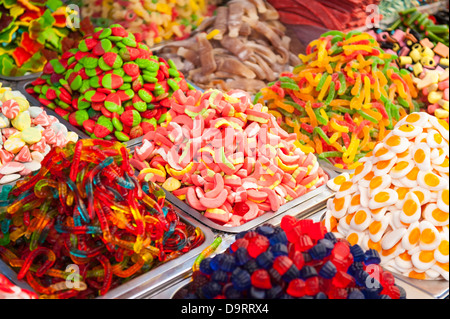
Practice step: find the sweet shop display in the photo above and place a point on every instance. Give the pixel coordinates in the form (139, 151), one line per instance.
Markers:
(343, 98)
(33, 33)
(124, 230)
(243, 46)
(299, 259)
(28, 134)
(224, 149)
(226, 157)
(111, 85)
(158, 21)
(397, 201)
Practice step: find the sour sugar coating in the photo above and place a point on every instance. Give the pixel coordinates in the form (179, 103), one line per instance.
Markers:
(343, 98)
(397, 201)
(27, 134)
(298, 259)
(111, 86)
(226, 157)
(85, 208)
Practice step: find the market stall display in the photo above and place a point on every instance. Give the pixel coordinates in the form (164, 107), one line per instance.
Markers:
(53, 220)
(300, 259)
(208, 149)
(343, 98)
(28, 133)
(226, 157)
(397, 201)
(243, 47)
(157, 21)
(33, 33)
(111, 85)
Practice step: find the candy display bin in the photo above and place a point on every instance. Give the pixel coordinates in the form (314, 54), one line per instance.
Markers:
(27, 77)
(152, 282)
(322, 192)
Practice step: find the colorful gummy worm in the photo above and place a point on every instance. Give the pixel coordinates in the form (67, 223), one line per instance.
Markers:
(111, 85)
(343, 98)
(52, 220)
(299, 259)
(29, 32)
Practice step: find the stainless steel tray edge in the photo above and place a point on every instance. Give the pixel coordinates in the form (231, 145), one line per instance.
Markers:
(257, 221)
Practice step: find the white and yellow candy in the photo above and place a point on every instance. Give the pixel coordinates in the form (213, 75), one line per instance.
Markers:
(397, 200)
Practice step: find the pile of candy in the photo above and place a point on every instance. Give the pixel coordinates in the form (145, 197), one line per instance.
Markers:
(343, 98)
(397, 201)
(242, 47)
(297, 260)
(27, 135)
(55, 231)
(10, 291)
(428, 62)
(226, 157)
(158, 21)
(423, 24)
(30, 33)
(340, 15)
(111, 85)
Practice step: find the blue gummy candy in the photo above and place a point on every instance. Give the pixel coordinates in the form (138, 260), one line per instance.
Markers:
(241, 255)
(279, 249)
(216, 261)
(265, 230)
(211, 289)
(279, 237)
(220, 276)
(251, 266)
(383, 296)
(329, 245)
(328, 270)
(372, 257)
(240, 235)
(241, 279)
(331, 237)
(291, 274)
(275, 276)
(228, 263)
(265, 259)
(307, 272)
(402, 292)
(356, 294)
(275, 292)
(318, 252)
(205, 266)
(358, 253)
(256, 293)
(321, 295)
(360, 277)
(232, 293)
(370, 293)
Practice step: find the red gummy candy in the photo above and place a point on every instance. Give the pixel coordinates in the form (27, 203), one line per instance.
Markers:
(317, 231)
(337, 293)
(391, 291)
(312, 286)
(257, 245)
(341, 256)
(288, 222)
(296, 288)
(241, 242)
(282, 264)
(261, 279)
(387, 279)
(298, 259)
(342, 280)
(304, 243)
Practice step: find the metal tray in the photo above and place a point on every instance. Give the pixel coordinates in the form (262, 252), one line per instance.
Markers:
(152, 282)
(257, 221)
(30, 76)
(435, 289)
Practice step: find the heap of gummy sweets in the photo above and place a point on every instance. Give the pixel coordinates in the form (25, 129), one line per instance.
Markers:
(299, 259)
